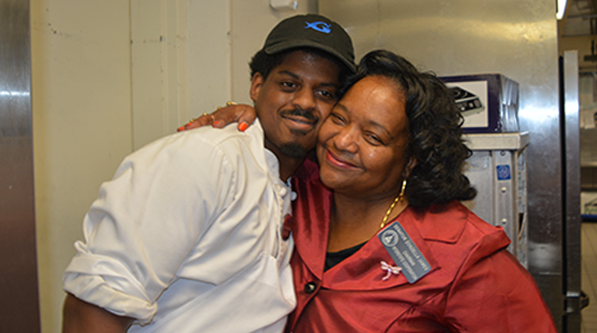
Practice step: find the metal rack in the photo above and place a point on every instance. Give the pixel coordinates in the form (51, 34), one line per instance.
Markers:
(497, 169)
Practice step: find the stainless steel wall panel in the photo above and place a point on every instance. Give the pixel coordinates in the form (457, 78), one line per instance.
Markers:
(19, 298)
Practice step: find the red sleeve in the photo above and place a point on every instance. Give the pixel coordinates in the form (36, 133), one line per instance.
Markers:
(496, 294)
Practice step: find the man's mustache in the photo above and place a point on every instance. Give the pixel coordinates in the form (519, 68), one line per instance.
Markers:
(301, 113)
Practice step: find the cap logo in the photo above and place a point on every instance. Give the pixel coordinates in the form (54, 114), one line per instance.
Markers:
(319, 26)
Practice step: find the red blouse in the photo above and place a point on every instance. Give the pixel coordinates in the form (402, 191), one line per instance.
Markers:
(475, 284)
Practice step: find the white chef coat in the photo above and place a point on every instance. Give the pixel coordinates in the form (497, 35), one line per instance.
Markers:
(187, 237)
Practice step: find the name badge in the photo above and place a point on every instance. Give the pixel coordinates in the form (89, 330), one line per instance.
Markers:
(404, 252)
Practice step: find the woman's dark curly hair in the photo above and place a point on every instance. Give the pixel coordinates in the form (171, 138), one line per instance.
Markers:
(435, 131)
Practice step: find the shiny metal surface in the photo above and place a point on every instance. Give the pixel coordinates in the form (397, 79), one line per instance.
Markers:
(19, 299)
(571, 130)
(516, 38)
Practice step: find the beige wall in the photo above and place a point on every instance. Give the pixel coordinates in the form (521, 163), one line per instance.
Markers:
(81, 88)
(180, 55)
(104, 83)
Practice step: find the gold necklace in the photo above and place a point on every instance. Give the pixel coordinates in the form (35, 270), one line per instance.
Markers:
(398, 198)
(385, 218)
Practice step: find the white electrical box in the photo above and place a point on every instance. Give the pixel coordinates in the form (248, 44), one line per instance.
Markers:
(283, 4)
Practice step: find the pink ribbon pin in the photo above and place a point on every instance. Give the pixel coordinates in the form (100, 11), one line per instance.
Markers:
(390, 269)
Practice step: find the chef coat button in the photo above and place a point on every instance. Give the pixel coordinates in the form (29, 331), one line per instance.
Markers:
(310, 287)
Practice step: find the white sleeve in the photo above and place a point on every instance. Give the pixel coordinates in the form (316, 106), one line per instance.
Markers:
(145, 222)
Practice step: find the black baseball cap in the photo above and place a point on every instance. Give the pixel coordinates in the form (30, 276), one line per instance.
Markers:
(311, 30)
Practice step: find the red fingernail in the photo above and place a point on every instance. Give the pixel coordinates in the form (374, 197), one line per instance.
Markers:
(215, 123)
(242, 127)
(180, 129)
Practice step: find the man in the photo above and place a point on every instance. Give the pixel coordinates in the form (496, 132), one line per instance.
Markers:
(180, 242)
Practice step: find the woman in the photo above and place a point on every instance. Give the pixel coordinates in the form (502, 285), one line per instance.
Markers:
(392, 154)
(382, 243)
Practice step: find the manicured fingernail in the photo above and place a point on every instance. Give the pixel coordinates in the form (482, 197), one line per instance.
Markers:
(180, 129)
(215, 123)
(242, 126)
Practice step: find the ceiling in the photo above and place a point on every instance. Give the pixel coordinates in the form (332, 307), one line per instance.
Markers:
(580, 19)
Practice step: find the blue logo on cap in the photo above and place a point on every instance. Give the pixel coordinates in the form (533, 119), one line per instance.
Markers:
(319, 26)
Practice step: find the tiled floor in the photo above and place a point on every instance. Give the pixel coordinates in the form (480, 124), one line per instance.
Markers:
(589, 275)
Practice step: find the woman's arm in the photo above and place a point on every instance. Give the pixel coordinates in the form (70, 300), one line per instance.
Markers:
(497, 295)
(243, 114)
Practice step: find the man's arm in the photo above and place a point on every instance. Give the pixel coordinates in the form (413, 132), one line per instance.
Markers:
(79, 316)
(142, 227)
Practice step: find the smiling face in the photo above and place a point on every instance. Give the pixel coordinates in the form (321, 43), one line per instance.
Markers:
(363, 143)
(293, 102)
